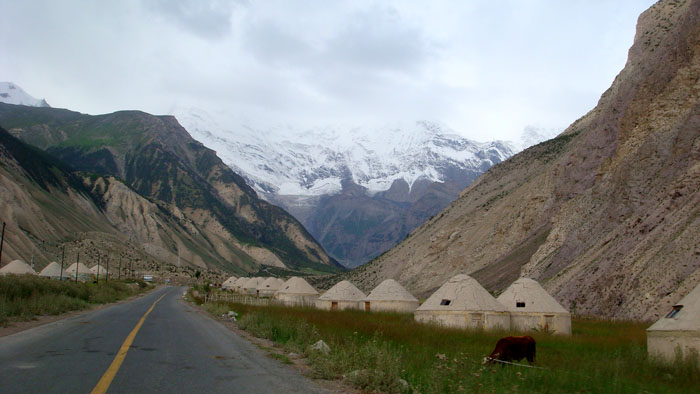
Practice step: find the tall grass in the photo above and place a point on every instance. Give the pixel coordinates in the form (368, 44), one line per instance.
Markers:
(23, 297)
(375, 350)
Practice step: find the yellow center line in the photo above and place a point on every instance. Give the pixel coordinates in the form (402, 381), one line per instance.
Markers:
(107, 378)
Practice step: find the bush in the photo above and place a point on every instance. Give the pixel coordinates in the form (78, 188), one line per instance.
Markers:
(23, 297)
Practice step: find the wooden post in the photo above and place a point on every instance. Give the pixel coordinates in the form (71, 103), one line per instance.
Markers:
(63, 256)
(107, 273)
(77, 264)
(2, 241)
(97, 277)
(120, 267)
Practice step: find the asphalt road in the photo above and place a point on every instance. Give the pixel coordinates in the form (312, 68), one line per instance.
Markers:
(176, 350)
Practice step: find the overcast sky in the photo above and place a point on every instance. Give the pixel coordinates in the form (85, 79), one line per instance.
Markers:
(486, 68)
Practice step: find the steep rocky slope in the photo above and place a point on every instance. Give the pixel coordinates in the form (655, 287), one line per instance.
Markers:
(170, 194)
(607, 215)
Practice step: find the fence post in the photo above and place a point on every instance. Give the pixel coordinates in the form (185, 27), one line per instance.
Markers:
(2, 241)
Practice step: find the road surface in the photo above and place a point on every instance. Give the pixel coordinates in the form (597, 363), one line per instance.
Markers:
(175, 350)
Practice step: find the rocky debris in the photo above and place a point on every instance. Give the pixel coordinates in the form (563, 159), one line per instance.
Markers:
(321, 346)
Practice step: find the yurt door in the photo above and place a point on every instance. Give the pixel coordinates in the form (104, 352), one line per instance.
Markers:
(334, 305)
(548, 322)
(476, 320)
(366, 306)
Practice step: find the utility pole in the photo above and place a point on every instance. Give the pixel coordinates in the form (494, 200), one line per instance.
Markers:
(120, 267)
(77, 266)
(97, 280)
(63, 255)
(2, 240)
(107, 272)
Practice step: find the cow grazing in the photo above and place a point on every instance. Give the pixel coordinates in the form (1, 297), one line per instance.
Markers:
(513, 349)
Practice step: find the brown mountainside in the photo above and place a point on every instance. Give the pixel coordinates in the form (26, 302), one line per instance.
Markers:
(605, 216)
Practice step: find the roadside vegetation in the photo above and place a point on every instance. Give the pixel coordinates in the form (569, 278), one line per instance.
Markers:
(23, 297)
(383, 352)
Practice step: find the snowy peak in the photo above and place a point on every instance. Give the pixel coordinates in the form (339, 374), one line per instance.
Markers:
(13, 94)
(288, 160)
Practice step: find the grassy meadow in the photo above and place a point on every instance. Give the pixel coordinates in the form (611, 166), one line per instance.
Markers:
(22, 297)
(375, 350)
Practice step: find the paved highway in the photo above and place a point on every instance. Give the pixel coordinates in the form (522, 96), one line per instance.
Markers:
(175, 350)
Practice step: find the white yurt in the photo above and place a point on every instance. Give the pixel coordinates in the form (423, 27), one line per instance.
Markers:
(53, 271)
(296, 292)
(238, 284)
(390, 296)
(461, 302)
(17, 267)
(251, 286)
(99, 270)
(84, 273)
(269, 286)
(532, 308)
(229, 283)
(678, 332)
(344, 295)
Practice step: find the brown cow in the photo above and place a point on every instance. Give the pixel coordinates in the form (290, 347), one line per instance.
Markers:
(513, 349)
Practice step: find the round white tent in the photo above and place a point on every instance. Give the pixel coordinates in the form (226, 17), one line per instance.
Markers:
(17, 267)
(84, 273)
(269, 286)
(238, 284)
(532, 308)
(678, 332)
(99, 270)
(461, 302)
(390, 296)
(229, 283)
(53, 271)
(344, 295)
(251, 286)
(296, 291)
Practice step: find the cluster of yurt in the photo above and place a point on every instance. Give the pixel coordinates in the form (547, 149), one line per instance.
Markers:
(53, 271)
(463, 303)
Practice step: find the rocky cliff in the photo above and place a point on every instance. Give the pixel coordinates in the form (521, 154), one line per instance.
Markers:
(607, 215)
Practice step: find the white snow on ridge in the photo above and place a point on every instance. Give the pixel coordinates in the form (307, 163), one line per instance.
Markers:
(13, 94)
(295, 161)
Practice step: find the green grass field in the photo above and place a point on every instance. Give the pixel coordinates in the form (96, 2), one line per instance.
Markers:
(375, 350)
(22, 297)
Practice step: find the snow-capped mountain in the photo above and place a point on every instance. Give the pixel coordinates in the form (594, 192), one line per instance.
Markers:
(313, 162)
(13, 94)
(358, 190)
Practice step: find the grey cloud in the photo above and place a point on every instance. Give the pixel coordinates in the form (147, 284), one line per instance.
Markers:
(209, 19)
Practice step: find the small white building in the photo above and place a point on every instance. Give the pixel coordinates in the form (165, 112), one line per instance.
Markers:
(53, 271)
(99, 271)
(269, 286)
(229, 283)
(532, 308)
(84, 273)
(17, 267)
(296, 292)
(678, 332)
(344, 295)
(390, 296)
(462, 303)
(251, 286)
(239, 283)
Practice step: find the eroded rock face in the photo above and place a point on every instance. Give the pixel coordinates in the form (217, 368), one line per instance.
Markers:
(606, 215)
